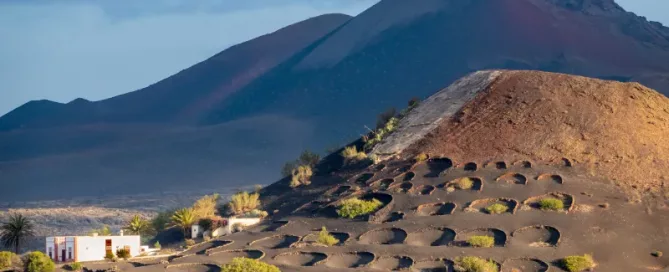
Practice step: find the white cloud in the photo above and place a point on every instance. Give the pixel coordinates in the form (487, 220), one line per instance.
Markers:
(64, 50)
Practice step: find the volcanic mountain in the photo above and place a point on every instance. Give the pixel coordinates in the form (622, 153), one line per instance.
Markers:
(325, 88)
(533, 182)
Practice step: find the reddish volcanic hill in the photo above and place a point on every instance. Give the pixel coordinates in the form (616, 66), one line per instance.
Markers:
(615, 130)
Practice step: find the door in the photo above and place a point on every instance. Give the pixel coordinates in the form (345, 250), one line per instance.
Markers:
(62, 256)
(108, 246)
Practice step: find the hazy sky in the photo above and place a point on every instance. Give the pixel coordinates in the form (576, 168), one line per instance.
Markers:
(64, 49)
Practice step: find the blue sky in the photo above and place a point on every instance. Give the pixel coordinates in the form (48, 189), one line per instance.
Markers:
(64, 49)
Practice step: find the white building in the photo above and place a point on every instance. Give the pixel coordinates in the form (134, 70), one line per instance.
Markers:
(226, 226)
(89, 248)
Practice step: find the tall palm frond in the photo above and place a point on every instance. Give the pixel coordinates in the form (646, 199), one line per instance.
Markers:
(15, 231)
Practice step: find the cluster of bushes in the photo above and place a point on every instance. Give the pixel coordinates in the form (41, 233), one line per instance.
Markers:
(301, 176)
(9, 259)
(578, 263)
(75, 266)
(475, 264)
(386, 123)
(497, 208)
(352, 156)
(243, 202)
(463, 183)
(32, 262)
(354, 207)
(123, 253)
(326, 239)
(481, 241)
(301, 169)
(551, 204)
(248, 265)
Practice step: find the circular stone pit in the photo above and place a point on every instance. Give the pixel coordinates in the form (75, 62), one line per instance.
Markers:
(512, 178)
(439, 265)
(471, 167)
(403, 187)
(477, 184)
(394, 217)
(436, 209)
(498, 235)
(362, 178)
(382, 184)
(392, 263)
(384, 236)
(227, 255)
(524, 265)
(301, 258)
(193, 267)
(350, 260)
(431, 237)
(276, 242)
(536, 236)
(424, 190)
(480, 205)
(311, 238)
(552, 177)
(436, 166)
(567, 199)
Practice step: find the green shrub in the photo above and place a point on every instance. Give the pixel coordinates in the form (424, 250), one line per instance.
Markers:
(354, 207)
(160, 221)
(190, 242)
(497, 208)
(420, 157)
(307, 158)
(123, 253)
(243, 202)
(325, 238)
(75, 266)
(551, 204)
(481, 241)
(38, 262)
(157, 245)
(109, 256)
(463, 183)
(352, 155)
(301, 176)
(248, 265)
(578, 263)
(8, 259)
(475, 264)
(205, 207)
(657, 253)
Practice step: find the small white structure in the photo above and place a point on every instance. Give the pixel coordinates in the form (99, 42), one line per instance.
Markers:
(195, 231)
(89, 248)
(226, 227)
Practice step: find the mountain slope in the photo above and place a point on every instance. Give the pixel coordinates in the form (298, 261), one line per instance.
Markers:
(187, 94)
(422, 53)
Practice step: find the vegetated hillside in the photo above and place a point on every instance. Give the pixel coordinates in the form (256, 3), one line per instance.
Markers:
(339, 80)
(615, 130)
(451, 209)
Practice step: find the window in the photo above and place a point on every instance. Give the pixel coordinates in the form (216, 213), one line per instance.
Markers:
(51, 252)
(69, 253)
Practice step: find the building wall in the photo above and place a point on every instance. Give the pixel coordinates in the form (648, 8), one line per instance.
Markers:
(61, 249)
(91, 248)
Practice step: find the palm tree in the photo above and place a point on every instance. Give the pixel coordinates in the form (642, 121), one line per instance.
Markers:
(137, 226)
(14, 232)
(184, 218)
